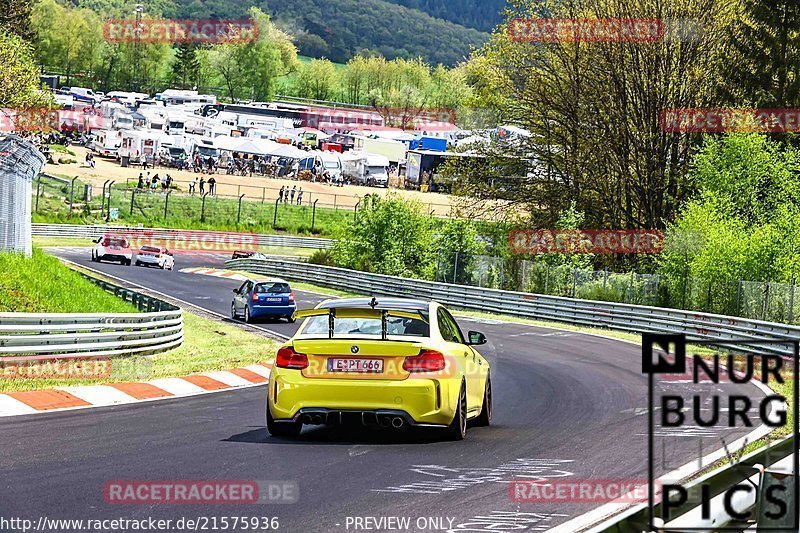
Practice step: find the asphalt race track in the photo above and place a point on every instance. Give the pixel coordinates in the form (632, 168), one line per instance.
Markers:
(566, 404)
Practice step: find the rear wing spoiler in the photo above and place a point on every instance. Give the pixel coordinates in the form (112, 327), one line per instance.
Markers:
(356, 312)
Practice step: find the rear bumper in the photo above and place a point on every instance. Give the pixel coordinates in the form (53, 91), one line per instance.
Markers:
(272, 310)
(385, 418)
(148, 260)
(420, 401)
(115, 257)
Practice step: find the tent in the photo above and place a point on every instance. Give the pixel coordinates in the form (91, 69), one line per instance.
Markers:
(289, 151)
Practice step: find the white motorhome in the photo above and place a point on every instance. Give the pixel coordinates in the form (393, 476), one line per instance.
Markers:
(179, 97)
(127, 98)
(366, 169)
(106, 142)
(137, 145)
(332, 163)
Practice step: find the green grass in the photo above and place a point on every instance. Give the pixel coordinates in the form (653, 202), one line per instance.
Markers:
(42, 284)
(43, 242)
(208, 345)
(186, 212)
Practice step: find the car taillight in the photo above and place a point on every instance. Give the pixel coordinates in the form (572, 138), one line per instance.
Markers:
(425, 361)
(291, 296)
(254, 297)
(288, 358)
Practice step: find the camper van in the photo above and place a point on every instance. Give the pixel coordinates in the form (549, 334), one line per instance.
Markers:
(137, 145)
(106, 142)
(366, 169)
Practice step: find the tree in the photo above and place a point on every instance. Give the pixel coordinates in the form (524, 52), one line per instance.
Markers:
(392, 236)
(764, 64)
(186, 67)
(317, 79)
(15, 17)
(600, 143)
(19, 77)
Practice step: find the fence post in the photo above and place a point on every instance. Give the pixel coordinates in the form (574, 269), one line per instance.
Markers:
(239, 213)
(133, 196)
(605, 278)
(263, 194)
(38, 189)
(203, 207)
(166, 203)
(314, 214)
(739, 297)
(103, 199)
(71, 194)
(334, 201)
(355, 212)
(791, 303)
(766, 302)
(275, 214)
(547, 280)
(455, 268)
(574, 281)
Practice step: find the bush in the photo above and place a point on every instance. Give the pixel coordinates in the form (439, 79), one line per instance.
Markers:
(322, 257)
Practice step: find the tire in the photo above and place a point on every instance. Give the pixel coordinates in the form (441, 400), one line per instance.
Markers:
(94, 257)
(290, 319)
(485, 418)
(457, 430)
(282, 429)
(247, 317)
(126, 262)
(233, 311)
(138, 264)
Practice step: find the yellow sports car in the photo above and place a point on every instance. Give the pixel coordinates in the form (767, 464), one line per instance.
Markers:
(379, 362)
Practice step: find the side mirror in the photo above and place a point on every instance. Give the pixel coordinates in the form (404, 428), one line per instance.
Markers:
(476, 338)
(97, 240)
(235, 291)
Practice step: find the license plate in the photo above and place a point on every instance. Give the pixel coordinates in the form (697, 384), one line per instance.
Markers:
(274, 299)
(362, 366)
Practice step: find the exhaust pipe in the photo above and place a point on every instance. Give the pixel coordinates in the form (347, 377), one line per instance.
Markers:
(397, 422)
(318, 419)
(386, 421)
(307, 419)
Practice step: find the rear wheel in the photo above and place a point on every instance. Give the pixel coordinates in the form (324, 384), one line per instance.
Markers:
(290, 319)
(485, 418)
(233, 312)
(457, 430)
(282, 429)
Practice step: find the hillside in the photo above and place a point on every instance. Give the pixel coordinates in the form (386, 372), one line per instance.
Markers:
(481, 15)
(339, 29)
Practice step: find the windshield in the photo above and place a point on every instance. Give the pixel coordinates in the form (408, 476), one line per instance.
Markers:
(377, 170)
(149, 250)
(332, 164)
(115, 242)
(213, 152)
(176, 151)
(406, 327)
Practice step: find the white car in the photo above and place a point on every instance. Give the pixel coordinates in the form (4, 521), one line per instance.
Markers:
(112, 248)
(155, 256)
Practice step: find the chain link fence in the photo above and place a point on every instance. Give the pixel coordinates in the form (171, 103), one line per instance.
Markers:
(768, 301)
(20, 162)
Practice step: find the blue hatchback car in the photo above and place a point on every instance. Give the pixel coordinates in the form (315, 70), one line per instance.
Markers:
(262, 298)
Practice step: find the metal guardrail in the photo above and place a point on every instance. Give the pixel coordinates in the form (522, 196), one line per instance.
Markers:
(722, 330)
(719, 330)
(55, 335)
(176, 235)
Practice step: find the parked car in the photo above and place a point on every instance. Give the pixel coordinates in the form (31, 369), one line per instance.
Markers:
(247, 254)
(155, 256)
(112, 248)
(263, 297)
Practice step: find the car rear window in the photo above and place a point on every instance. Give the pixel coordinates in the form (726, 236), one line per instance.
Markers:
(150, 249)
(120, 243)
(273, 288)
(406, 327)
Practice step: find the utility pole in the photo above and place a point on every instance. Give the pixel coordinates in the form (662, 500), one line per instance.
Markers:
(137, 45)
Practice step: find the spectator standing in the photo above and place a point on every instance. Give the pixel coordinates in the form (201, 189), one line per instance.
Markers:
(192, 186)
(280, 194)
(300, 196)
(292, 193)
(202, 185)
(140, 185)
(212, 186)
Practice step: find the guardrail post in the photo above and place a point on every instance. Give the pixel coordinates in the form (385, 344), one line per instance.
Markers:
(314, 214)
(166, 203)
(108, 204)
(133, 196)
(275, 214)
(38, 189)
(791, 303)
(239, 213)
(203, 207)
(355, 212)
(71, 193)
